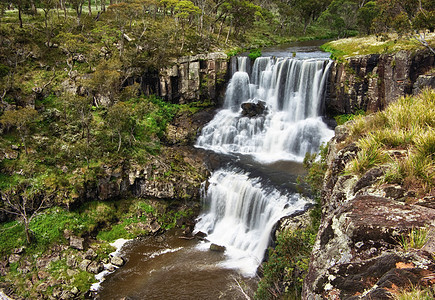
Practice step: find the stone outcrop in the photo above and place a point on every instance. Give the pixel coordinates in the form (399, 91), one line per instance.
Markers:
(252, 109)
(189, 79)
(176, 174)
(358, 252)
(370, 82)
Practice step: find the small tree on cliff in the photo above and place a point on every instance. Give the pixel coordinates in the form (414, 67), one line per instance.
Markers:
(24, 202)
(21, 119)
(120, 120)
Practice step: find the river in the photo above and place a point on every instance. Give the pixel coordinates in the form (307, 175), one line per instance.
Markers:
(262, 147)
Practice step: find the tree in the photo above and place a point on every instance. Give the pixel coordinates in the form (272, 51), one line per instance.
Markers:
(25, 202)
(185, 11)
(366, 15)
(21, 119)
(105, 81)
(46, 6)
(77, 5)
(73, 45)
(80, 111)
(120, 121)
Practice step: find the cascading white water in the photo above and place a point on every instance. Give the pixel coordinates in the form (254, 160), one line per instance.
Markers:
(239, 210)
(240, 214)
(293, 91)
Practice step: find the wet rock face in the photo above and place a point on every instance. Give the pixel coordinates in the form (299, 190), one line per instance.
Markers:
(252, 110)
(358, 253)
(370, 82)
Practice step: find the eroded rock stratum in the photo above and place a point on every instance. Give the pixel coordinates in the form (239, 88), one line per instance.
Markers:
(358, 252)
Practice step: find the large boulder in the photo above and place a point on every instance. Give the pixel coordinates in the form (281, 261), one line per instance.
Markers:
(357, 248)
(252, 109)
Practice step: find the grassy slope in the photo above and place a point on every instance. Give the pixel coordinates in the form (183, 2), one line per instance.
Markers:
(345, 48)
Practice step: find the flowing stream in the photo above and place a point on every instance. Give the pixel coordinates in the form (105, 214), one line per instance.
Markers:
(271, 116)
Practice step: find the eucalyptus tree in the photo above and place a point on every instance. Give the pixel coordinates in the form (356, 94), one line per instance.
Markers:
(186, 11)
(21, 119)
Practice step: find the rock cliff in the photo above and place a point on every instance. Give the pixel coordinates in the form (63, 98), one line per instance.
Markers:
(370, 82)
(357, 253)
(189, 79)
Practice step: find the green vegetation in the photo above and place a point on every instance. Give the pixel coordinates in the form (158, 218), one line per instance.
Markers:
(386, 44)
(253, 54)
(107, 221)
(285, 270)
(415, 239)
(414, 293)
(406, 125)
(341, 119)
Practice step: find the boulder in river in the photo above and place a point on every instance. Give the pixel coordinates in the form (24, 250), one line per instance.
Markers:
(252, 109)
(117, 261)
(217, 248)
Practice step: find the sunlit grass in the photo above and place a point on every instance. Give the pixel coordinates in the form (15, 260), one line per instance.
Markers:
(353, 46)
(407, 125)
(414, 293)
(415, 239)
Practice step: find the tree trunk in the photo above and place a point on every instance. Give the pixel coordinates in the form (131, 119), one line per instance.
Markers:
(32, 5)
(119, 141)
(27, 230)
(89, 8)
(24, 143)
(19, 16)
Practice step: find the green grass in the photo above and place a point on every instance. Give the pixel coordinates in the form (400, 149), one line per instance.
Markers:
(341, 119)
(414, 293)
(407, 125)
(345, 48)
(415, 239)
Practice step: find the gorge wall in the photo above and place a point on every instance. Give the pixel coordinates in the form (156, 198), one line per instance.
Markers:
(370, 82)
(189, 78)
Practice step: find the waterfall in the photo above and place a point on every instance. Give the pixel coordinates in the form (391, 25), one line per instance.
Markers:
(240, 213)
(285, 96)
(293, 91)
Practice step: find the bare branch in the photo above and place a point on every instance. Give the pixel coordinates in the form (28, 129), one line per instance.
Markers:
(419, 37)
(241, 289)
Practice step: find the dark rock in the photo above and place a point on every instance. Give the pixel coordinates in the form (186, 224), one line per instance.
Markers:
(370, 177)
(422, 82)
(200, 235)
(251, 109)
(394, 191)
(95, 267)
(19, 250)
(355, 248)
(217, 248)
(71, 261)
(90, 254)
(370, 82)
(13, 258)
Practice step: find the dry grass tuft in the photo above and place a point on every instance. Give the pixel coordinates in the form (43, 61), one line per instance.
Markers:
(407, 124)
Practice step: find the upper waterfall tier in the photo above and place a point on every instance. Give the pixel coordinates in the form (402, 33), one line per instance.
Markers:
(291, 94)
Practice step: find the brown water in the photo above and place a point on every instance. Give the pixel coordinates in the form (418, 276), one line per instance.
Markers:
(168, 267)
